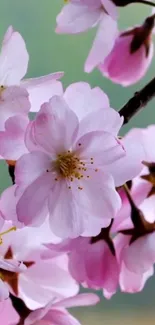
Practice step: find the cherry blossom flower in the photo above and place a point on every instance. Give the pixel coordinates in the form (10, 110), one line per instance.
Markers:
(56, 313)
(80, 15)
(36, 281)
(64, 173)
(136, 48)
(92, 261)
(93, 109)
(13, 67)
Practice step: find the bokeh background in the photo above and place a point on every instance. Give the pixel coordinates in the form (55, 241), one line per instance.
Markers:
(35, 20)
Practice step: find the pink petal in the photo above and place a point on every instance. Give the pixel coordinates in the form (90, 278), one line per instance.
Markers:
(13, 58)
(131, 67)
(46, 280)
(102, 146)
(31, 166)
(104, 119)
(133, 282)
(8, 202)
(127, 168)
(106, 274)
(140, 262)
(148, 208)
(76, 19)
(56, 126)
(64, 211)
(42, 89)
(103, 43)
(111, 8)
(83, 100)
(8, 313)
(148, 134)
(12, 265)
(13, 101)
(4, 291)
(12, 144)
(84, 299)
(60, 317)
(32, 206)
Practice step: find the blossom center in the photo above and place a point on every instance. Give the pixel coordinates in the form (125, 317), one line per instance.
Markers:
(68, 165)
(2, 88)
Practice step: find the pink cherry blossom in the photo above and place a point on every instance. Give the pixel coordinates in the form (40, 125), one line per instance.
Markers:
(136, 48)
(80, 15)
(92, 262)
(13, 67)
(41, 280)
(8, 314)
(73, 197)
(93, 109)
(55, 312)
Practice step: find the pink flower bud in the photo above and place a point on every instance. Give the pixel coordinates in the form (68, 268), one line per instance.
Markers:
(131, 55)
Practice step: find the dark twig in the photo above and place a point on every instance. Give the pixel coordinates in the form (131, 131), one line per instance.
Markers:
(11, 170)
(20, 308)
(138, 101)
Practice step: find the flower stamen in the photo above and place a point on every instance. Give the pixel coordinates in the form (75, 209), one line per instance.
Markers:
(6, 232)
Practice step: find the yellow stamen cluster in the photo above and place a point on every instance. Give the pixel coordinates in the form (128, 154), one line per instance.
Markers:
(69, 166)
(6, 232)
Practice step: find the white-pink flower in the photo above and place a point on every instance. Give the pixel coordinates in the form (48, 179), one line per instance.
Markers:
(66, 174)
(136, 48)
(79, 15)
(92, 262)
(13, 67)
(35, 281)
(55, 312)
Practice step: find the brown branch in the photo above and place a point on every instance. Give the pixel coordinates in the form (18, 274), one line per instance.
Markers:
(20, 308)
(138, 101)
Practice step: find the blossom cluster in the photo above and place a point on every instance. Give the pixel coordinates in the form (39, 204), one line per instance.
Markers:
(81, 208)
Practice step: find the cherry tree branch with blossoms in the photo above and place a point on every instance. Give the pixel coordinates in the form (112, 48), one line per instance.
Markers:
(81, 208)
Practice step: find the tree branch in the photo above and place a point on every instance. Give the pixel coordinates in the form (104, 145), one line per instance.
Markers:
(138, 101)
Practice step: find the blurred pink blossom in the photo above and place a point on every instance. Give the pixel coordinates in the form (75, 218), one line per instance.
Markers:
(13, 67)
(80, 15)
(136, 48)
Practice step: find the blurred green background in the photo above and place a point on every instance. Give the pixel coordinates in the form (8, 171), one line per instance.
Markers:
(35, 20)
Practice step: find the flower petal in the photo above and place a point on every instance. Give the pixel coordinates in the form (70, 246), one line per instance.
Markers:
(31, 166)
(42, 89)
(102, 146)
(32, 206)
(83, 299)
(13, 58)
(13, 101)
(103, 43)
(76, 18)
(130, 165)
(12, 144)
(56, 126)
(83, 100)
